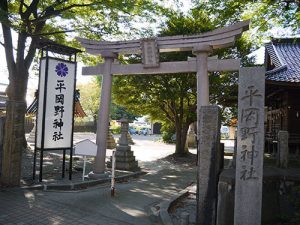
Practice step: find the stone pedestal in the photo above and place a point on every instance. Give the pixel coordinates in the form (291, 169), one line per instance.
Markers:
(125, 160)
(110, 141)
(130, 141)
(283, 149)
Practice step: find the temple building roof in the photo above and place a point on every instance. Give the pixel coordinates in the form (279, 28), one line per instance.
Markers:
(282, 61)
(78, 110)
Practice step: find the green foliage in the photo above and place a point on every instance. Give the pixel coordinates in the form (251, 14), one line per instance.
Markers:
(115, 129)
(177, 23)
(62, 20)
(168, 98)
(91, 19)
(118, 112)
(264, 14)
(90, 98)
(171, 98)
(168, 131)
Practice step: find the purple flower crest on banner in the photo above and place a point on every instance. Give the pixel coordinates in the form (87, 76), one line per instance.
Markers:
(61, 69)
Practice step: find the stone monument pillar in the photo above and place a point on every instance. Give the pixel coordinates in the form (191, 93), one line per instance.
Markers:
(125, 160)
(208, 164)
(191, 137)
(283, 149)
(250, 147)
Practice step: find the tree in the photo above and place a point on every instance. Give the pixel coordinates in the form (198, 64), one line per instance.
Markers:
(172, 98)
(163, 97)
(264, 14)
(35, 19)
(90, 98)
(118, 112)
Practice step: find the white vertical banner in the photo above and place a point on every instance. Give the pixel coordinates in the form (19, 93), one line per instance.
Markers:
(55, 106)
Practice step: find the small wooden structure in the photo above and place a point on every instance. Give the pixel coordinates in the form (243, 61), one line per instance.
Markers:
(282, 61)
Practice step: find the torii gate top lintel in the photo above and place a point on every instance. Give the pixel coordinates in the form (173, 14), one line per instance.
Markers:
(218, 38)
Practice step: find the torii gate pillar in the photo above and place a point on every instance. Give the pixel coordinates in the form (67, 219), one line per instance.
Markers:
(103, 115)
(201, 52)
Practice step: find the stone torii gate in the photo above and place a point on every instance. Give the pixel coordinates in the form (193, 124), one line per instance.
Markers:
(201, 45)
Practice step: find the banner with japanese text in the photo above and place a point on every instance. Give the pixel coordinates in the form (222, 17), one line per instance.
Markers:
(55, 105)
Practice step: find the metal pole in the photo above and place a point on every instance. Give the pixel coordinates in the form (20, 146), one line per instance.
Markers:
(44, 118)
(34, 162)
(41, 166)
(72, 137)
(84, 165)
(113, 166)
(70, 163)
(64, 164)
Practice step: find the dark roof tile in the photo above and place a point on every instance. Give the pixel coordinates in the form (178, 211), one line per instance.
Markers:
(285, 55)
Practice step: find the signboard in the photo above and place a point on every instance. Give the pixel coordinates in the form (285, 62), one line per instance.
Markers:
(150, 53)
(55, 106)
(86, 148)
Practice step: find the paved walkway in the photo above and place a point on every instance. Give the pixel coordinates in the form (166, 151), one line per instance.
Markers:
(131, 205)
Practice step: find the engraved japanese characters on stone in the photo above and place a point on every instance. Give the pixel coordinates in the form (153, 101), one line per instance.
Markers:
(150, 53)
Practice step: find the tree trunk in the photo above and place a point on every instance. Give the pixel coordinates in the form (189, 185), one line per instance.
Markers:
(14, 128)
(181, 133)
(18, 65)
(13, 143)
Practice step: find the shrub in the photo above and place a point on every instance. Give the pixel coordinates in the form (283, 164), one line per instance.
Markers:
(115, 129)
(168, 133)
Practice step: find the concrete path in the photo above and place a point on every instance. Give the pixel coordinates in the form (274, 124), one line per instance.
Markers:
(131, 205)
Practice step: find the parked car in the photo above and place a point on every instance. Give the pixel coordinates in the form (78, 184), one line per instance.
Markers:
(145, 131)
(132, 131)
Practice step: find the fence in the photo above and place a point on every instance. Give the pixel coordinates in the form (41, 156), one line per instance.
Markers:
(79, 126)
(85, 127)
